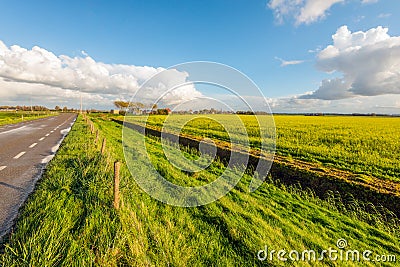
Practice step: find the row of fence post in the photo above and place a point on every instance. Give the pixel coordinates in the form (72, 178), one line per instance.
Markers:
(117, 164)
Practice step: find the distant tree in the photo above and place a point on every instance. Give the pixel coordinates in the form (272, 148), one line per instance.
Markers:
(65, 109)
(57, 108)
(163, 111)
(136, 105)
(121, 104)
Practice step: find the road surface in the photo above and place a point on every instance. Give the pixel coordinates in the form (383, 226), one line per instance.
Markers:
(25, 149)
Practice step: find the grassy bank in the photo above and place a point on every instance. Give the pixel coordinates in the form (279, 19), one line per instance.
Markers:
(10, 117)
(364, 145)
(69, 219)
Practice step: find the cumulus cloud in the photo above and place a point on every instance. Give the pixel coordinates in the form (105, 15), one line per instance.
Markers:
(12, 93)
(369, 62)
(39, 66)
(303, 11)
(330, 89)
(285, 63)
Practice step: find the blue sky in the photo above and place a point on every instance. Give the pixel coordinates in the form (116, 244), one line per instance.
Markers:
(247, 35)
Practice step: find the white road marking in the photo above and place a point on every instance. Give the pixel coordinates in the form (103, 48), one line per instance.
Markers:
(19, 155)
(51, 131)
(47, 134)
(2, 167)
(65, 131)
(34, 144)
(9, 131)
(47, 159)
(56, 147)
(41, 139)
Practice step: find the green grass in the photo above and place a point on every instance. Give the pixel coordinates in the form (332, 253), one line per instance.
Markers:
(364, 145)
(8, 117)
(69, 219)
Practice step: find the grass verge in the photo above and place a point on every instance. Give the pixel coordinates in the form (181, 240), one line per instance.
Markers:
(15, 117)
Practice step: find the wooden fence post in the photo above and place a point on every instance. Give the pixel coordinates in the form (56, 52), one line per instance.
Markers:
(97, 137)
(116, 184)
(103, 146)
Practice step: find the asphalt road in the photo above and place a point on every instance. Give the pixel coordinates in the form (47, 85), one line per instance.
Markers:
(25, 150)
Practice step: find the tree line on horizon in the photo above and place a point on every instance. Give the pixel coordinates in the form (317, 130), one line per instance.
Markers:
(35, 108)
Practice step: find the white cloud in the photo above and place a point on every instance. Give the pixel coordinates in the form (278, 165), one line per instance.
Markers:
(17, 93)
(83, 52)
(383, 104)
(331, 89)
(285, 63)
(22, 66)
(284, 8)
(384, 15)
(303, 11)
(359, 18)
(369, 62)
(369, 1)
(314, 10)
(316, 50)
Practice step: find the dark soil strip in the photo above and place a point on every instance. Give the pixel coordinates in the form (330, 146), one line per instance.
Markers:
(293, 172)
